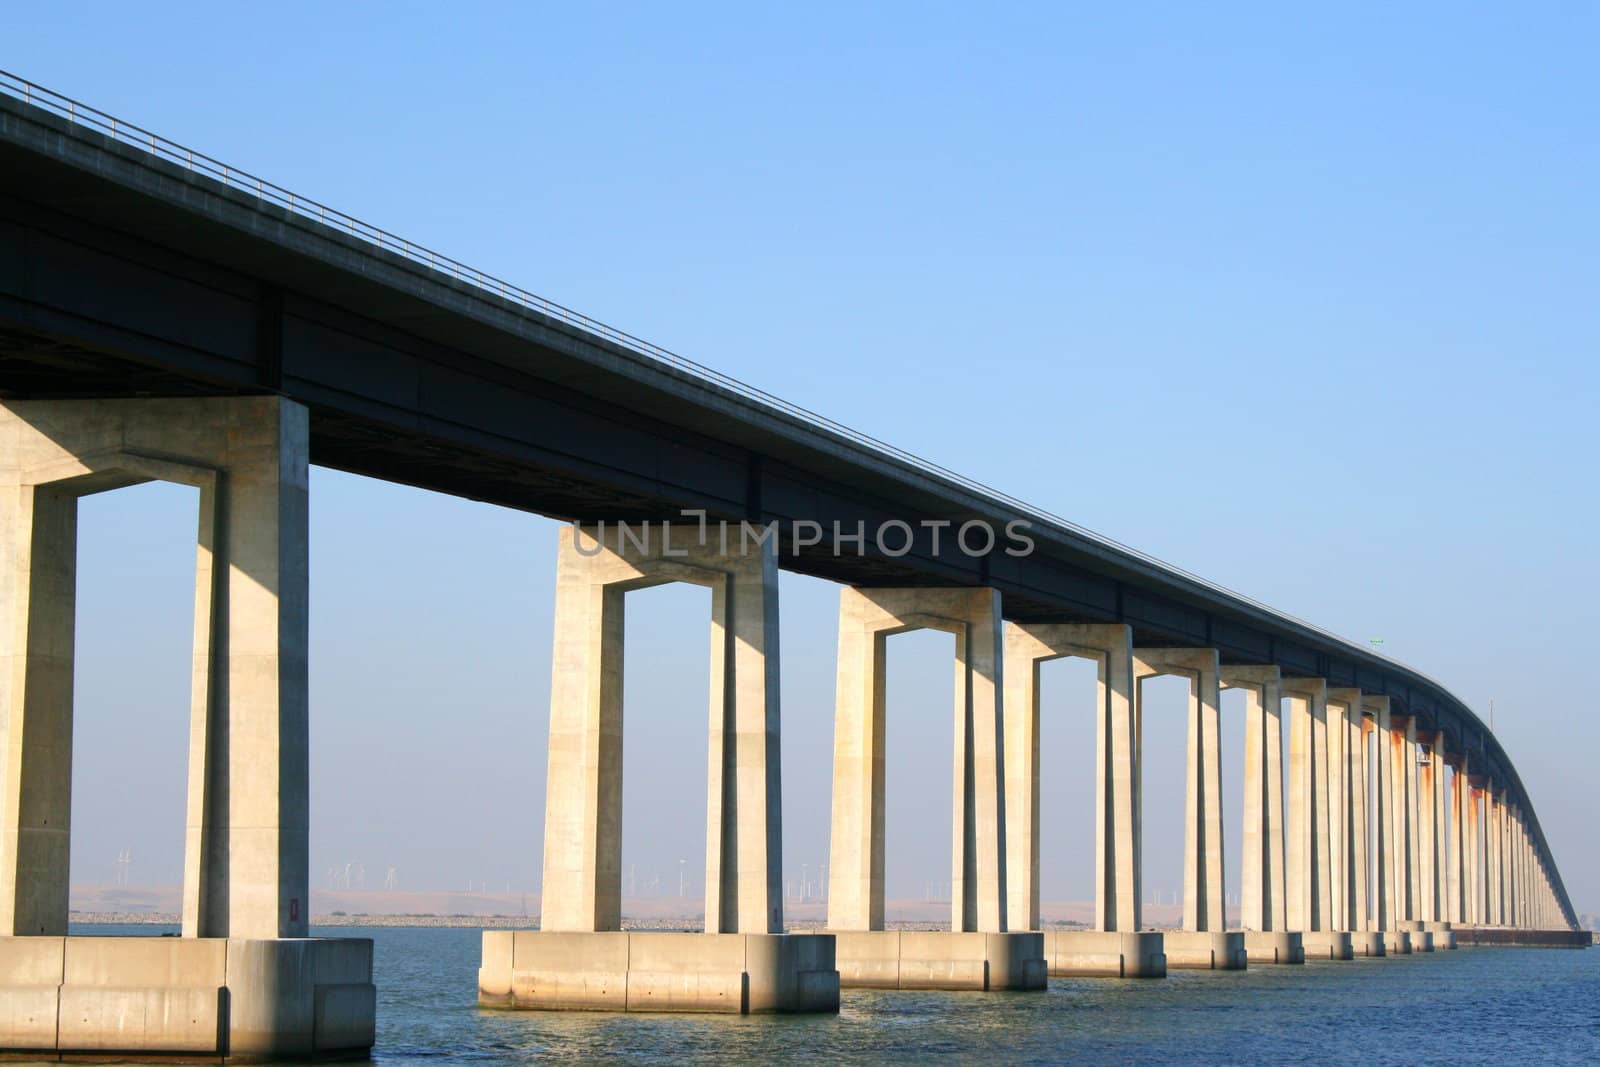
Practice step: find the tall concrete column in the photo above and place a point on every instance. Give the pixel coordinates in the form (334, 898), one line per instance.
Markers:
(1310, 883)
(245, 864)
(1492, 811)
(1477, 903)
(1429, 806)
(1362, 848)
(1399, 817)
(1519, 910)
(1203, 836)
(867, 617)
(1262, 886)
(1344, 715)
(596, 567)
(1117, 858)
(1457, 883)
(1413, 858)
(1390, 847)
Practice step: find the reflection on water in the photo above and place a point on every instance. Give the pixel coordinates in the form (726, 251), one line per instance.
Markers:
(1472, 1006)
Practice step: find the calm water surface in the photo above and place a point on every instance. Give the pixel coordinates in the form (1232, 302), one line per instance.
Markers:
(1503, 1006)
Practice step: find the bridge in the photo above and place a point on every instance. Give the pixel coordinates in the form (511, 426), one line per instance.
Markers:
(164, 316)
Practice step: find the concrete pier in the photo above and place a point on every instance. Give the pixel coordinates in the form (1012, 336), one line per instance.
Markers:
(1116, 855)
(1329, 945)
(244, 980)
(635, 971)
(581, 958)
(1274, 946)
(1366, 943)
(941, 959)
(979, 951)
(1205, 950)
(1115, 949)
(1105, 954)
(1203, 835)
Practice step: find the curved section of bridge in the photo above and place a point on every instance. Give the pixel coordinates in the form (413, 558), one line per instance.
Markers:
(133, 268)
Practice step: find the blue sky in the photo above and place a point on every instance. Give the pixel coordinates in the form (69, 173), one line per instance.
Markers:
(1301, 301)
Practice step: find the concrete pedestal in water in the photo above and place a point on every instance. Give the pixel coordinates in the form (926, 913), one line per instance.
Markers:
(1366, 943)
(1205, 951)
(1396, 943)
(1105, 954)
(625, 970)
(940, 959)
(1444, 937)
(1327, 945)
(1274, 946)
(225, 998)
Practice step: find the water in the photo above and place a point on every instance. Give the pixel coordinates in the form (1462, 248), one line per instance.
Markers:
(1474, 1006)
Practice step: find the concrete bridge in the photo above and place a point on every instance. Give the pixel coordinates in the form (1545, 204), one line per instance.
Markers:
(165, 316)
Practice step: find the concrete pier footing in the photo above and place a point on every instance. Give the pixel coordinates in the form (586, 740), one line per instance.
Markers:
(1367, 943)
(1205, 950)
(1421, 935)
(1396, 943)
(1105, 954)
(1274, 946)
(235, 999)
(1444, 937)
(624, 970)
(1328, 945)
(940, 959)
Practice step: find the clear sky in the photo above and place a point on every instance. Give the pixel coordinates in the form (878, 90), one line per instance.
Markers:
(1301, 301)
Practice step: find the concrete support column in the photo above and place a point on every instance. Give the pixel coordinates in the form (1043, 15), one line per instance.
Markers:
(1518, 877)
(1362, 847)
(1514, 872)
(1413, 857)
(867, 617)
(245, 863)
(1491, 836)
(1388, 849)
(1474, 865)
(595, 569)
(1117, 856)
(1399, 818)
(1310, 883)
(1457, 882)
(1344, 716)
(1430, 805)
(1262, 886)
(1203, 843)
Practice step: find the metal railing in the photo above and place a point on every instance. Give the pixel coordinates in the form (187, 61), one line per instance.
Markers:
(141, 138)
